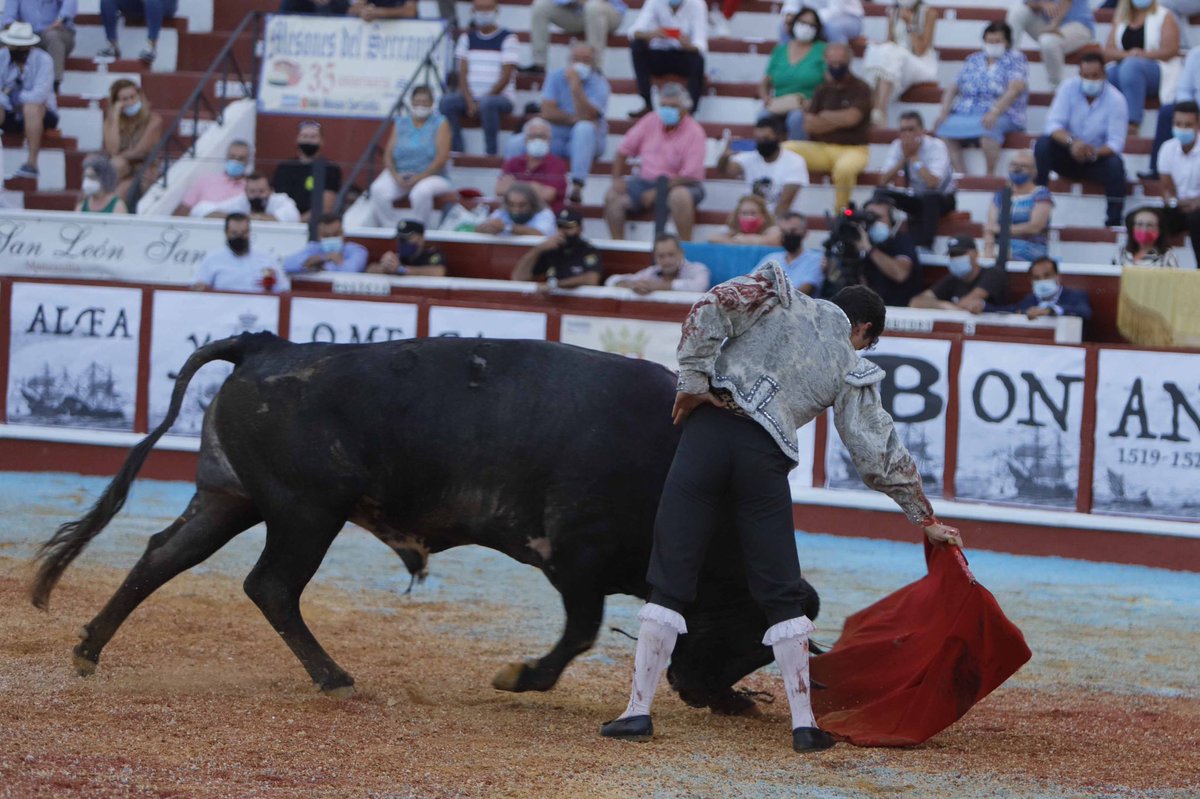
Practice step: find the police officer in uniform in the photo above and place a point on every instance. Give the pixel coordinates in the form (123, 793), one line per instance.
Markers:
(566, 259)
(412, 256)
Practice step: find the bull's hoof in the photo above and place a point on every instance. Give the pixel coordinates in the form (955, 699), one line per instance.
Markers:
(84, 665)
(732, 703)
(509, 677)
(340, 692)
(520, 677)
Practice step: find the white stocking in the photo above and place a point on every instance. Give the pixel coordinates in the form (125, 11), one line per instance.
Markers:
(789, 640)
(656, 639)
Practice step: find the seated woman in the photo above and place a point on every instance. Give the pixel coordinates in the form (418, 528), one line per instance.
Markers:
(414, 163)
(130, 132)
(100, 188)
(750, 223)
(795, 70)
(1143, 55)
(987, 101)
(1146, 241)
(906, 58)
(1031, 207)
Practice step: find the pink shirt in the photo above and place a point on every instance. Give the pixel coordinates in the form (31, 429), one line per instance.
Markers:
(677, 152)
(213, 188)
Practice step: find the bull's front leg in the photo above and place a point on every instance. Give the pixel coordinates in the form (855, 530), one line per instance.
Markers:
(585, 610)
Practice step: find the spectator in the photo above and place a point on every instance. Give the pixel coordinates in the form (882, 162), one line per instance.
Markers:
(595, 19)
(750, 222)
(968, 287)
(257, 201)
(841, 19)
(773, 173)
(1187, 90)
(1085, 135)
(906, 58)
(1180, 164)
(54, 23)
(889, 258)
(537, 166)
(375, 10)
(294, 177)
(328, 8)
(412, 255)
(27, 103)
(565, 258)
(574, 101)
(236, 267)
(671, 270)
(1060, 27)
(330, 252)
(839, 125)
(1146, 241)
(100, 188)
(1143, 51)
(153, 11)
(131, 129)
(1049, 297)
(220, 186)
(487, 57)
(669, 37)
(925, 163)
(414, 160)
(988, 99)
(803, 266)
(1030, 217)
(522, 214)
(794, 71)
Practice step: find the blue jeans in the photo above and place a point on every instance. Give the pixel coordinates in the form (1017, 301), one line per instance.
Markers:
(581, 144)
(491, 107)
(154, 12)
(1135, 77)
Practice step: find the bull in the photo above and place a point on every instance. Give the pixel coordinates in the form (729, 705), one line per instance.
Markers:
(551, 454)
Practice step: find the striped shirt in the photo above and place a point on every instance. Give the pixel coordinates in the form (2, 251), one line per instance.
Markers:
(484, 55)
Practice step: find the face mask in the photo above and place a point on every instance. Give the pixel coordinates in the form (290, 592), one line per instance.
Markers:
(839, 72)
(91, 186)
(18, 56)
(1142, 4)
(750, 224)
(234, 169)
(406, 250)
(485, 19)
(767, 148)
(537, 148)
(803, 32)
(308, 150)
(520, 218)
(993, 50)
(960, 266)
(132, 110)
(239, 244)
(906, 3)
(669, 115)
(258, 204)
(1145, 237)
(793, 241)
(675, 3)
(584, 71)
(1019, 178)
(1045, 289)
(422, 111)
(331, 244)
(1185, 135)
(879, 232)
(1092, 88)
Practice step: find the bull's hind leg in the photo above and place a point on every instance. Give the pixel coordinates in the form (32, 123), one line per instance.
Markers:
(296, 545)
(210, 521)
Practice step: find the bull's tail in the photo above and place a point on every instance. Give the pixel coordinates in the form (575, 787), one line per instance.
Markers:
(69, 539)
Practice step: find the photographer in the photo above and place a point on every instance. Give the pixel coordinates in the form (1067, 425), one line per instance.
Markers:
(868, 248)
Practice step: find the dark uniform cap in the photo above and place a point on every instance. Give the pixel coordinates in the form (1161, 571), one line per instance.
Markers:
(569, 216)
(960, 244)
(409, 227)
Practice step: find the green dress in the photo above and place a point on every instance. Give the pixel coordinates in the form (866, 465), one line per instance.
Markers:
(800, 78)
(107, 209)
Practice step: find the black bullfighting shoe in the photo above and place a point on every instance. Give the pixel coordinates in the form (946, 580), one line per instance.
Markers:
(633, 728)
(811, 739)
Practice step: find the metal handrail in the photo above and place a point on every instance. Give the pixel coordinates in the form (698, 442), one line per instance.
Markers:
(223, 60)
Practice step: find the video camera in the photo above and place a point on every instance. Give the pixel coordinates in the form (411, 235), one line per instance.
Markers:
(842, 252)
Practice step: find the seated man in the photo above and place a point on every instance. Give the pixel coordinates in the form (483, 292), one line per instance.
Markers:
(235, 267)
(596, 19)
(771, 172)
(257, 201)
(1049, 296)
(522, 214)
(372, 10)
(803, 266)
(671, 145)
(968, 287)
(487, 57)
(924, 161)
(330, 252)
(295, 177)
(566, 259)
(53, 21)
(27, 103)
(890, 264)
(671, 271)
(218, 187)
(411, 256)
(669, 37)
(1179, 170)
(537, 166)
(1085, 134)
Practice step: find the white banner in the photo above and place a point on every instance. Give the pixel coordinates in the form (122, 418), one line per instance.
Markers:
(350, 321)
(342, 66)
(73, 355)
(1020, 424)
(185, 321)
(914, 392)
(119, 247)
(633, 338)
(486, 323)
(1147, 460)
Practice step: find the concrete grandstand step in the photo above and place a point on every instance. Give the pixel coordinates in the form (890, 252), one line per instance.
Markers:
(227, 15)
(51, 200)
(198, 50)
(90, 39)
(198, 13)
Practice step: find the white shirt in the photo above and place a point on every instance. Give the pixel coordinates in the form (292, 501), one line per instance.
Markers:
(691, 18)
(692, 277)
(934, 155)
(224, 271)
(789, 169)
(280, 206)
(484, 64)
(1184, 168)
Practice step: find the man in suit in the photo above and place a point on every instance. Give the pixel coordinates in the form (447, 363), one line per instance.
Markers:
(1049, 296)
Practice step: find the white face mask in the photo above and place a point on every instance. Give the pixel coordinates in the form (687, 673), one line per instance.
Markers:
(1045, 288)
(485, 19)
(537, 148)
(584, 71)
(993, 50)
(91, 186)
(421, 111)
(804, 32)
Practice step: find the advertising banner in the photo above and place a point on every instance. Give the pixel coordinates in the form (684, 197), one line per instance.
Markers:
(73, 355)
(1020, 424)
(633, 338)
(915, 392)
(185, 321)
(341, 66)
(350, 321)
(486, 323)
(1147, 460)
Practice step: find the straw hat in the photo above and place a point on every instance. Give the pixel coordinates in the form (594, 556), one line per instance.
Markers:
(19, 34)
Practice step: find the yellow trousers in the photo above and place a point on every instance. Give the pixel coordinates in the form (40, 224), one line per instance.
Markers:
(844, 161)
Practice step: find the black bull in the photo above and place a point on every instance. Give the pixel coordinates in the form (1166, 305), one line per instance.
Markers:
(551, 454)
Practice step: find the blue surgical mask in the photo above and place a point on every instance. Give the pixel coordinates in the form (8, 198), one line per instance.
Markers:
(1092, 88)
(485, 19)
(669, 115)
(675, 3)
(234, 169)
(960, 265)
(1185, 135)
(879, 232)
(132, 110)
(1142, 4)
(1019, 178)
(1045, 289)
(331, 244)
